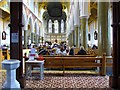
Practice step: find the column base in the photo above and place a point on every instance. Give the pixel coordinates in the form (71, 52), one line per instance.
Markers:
(114, 82)
(11, 84)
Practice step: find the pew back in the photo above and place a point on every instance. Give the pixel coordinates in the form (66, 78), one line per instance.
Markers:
(76, 62)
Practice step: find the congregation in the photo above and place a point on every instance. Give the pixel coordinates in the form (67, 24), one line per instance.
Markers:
(61, 49)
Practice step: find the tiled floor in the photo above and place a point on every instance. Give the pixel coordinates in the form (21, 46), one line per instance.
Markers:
(74, 81)
(69, 81)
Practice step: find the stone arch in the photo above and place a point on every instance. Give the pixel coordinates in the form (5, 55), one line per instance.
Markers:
(30, 21)
(30, 29)
(36, 26)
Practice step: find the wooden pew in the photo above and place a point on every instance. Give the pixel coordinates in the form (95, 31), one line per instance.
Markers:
(76, 62)
(109, 61)
(53, 62)
(69, 56)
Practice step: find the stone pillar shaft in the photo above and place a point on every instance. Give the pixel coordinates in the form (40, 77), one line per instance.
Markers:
(32, 37)
(115, 78)
(103, 33)
(76, 29)
(25, 38)
(73, 36)
(84, 32)
(16, 37)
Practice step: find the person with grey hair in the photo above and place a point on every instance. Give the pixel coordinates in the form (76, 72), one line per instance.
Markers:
(81, 51)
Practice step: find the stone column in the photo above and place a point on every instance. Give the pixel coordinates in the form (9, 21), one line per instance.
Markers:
(79, 35)
(84, 31)
(25, 38)
(84, 14)
(76, 29)
(35, 38)
(115, 77)
(38, 38)
(76, 22)
(16, 38)
(73, 37)
(69, 39)
(32, 37)
(79, 41)
(103, 33)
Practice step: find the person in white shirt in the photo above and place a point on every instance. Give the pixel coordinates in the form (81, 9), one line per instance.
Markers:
(62, 51)
(32, 44)
(33, 54)
(33, 50)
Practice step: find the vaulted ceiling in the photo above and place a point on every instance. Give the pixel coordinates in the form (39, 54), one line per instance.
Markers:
(56, 9)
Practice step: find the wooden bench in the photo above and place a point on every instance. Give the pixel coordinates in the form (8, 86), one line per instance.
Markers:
(64, 62)
(109, 61)
(69, 56)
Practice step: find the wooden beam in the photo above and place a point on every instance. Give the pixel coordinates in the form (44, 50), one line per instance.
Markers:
(16, 38)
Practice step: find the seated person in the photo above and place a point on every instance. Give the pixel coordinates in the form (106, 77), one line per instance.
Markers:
(43, 52)
(52, 52)
(82, 51)
(33, 50)
(62, 51)
(71, 51)
(25, 57)
(57, 50)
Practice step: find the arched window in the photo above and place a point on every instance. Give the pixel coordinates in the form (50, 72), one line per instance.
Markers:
(56, 26)
(95, 35)
(89, 37)
(50, 26)
(62, 26)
